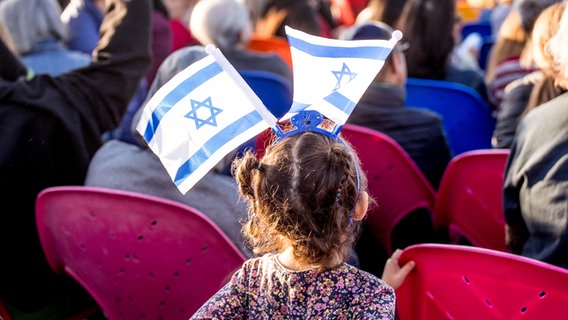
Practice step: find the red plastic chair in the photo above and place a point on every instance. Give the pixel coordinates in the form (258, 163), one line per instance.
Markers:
(462, 282)
(395, 182)
(4, 313)
(140, 257)
(470, 199)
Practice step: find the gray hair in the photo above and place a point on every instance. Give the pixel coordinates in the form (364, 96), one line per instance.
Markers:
(30, 21)
(223, 23)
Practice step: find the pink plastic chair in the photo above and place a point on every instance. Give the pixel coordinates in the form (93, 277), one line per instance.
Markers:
(463, 282)
(470, 199)
(395, 182)
(140, 257)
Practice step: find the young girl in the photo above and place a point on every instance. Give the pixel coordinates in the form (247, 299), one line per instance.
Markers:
(306, 198)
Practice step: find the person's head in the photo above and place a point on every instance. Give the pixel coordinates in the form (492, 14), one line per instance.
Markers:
(387, 11)
(303, 194)
(300, 15)
(537, 52)
(223, 23)
(529, 10)
(394, 71)
(556, 47)
(545, 27)
(427, 26)
(31, 21)
(179, 9)
(511, 39)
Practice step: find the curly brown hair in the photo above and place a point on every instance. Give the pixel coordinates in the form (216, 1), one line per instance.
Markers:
(301, 195)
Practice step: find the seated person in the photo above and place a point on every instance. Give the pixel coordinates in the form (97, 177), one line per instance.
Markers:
(215, 195)
(52, 127)
(226, 25)
(429, 27)
(536, 88)
(536, 176)
(302, 227)
(419, 132)
(40, 45)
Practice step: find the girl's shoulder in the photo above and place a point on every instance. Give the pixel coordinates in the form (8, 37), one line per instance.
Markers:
(362, 279)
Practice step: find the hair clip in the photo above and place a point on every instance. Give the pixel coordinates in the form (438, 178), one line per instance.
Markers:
(309, 120)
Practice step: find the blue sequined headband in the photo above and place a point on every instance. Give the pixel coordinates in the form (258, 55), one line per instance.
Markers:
(309, 120)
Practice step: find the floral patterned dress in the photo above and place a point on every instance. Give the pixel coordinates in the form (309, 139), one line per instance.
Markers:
(264, 289)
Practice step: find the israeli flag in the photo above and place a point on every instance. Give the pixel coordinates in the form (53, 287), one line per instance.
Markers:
(202, 114)
(331, 75)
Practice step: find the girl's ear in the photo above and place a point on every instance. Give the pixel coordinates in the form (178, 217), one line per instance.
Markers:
(361, 207)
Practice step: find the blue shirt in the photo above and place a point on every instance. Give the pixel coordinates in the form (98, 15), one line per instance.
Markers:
(52, 57)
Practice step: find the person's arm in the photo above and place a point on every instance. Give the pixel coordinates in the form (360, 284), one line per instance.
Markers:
(102, 90)
(393, 274)
(516, 232)
(11, 68)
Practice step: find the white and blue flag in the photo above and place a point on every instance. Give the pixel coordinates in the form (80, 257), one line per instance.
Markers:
(202, 114)
(331, 75)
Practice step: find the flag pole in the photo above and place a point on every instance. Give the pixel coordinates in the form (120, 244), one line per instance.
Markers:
(234, 74)
(396, 36)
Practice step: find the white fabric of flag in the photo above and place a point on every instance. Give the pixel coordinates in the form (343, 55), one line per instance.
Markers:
(199, 116)
(331, 75)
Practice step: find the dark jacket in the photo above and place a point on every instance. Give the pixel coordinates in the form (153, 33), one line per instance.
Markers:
(419, 132)
(515, 101)
(50, 129)
(535, 195)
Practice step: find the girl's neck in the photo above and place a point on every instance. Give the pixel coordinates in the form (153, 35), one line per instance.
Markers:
(287, 260)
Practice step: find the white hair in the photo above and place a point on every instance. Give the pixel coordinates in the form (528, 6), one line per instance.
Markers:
(223, 23)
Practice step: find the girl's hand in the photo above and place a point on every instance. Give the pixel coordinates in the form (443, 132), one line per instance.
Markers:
(393, 274)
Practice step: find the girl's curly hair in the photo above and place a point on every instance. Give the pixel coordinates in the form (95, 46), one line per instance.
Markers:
(302, 194)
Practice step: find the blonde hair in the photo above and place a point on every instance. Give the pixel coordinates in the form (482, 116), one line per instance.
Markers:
(557, 49)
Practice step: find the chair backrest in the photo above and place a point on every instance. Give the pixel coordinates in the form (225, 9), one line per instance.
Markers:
(274, 90)
(466, 117)
(395, 182)
(486, 45)
(482, 28)
(4, 313)
(140, 257)
(274, 44)
(470, 198)
(462, 282)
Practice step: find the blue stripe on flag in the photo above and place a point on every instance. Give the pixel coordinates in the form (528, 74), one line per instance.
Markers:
(371, 52)
(174, 96)
(215, 143)
(341, 102)
(297, 107)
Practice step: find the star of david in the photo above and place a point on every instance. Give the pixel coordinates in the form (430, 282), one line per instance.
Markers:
(196, 105)
(345, 71)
